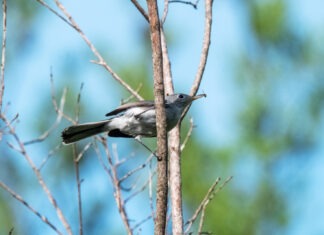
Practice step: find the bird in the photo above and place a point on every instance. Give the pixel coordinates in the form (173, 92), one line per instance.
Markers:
(132, 120)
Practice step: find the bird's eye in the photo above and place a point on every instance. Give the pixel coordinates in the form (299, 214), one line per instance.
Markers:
(180, 96)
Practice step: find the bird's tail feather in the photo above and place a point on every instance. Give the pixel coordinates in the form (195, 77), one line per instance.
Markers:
(78, 132)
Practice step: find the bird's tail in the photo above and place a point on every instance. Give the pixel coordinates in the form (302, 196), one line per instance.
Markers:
(75, 133)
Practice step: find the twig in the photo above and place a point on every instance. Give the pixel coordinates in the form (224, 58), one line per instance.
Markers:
(55, 124)
(141, 222)
(141, 189)
(49, 155)
(78, 182)
(71, 22)
(117, 191)
(20, 199)
(205, 46)
(56, 107)
(40, 179)
(165, 11)
(201, 206)
(76, 161)
(209, 196)
(151, 190)
(194, 5)
(81, 154)
(162, 144)
(3, 52)
(133, 171)
(183, 145)
(140, 9)
(131, 95)
(204, 51)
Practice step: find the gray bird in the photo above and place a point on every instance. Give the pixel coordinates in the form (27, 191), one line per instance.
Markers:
(132, 120)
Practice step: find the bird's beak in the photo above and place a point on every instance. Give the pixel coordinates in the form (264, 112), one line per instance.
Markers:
(198, 96)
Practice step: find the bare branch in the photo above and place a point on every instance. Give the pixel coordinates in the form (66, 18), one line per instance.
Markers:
(67, 18)
(3, 52)
(165, 12)
(55, 124)
(117, 191)
(204, 51)
(173, 149)
(162, 148)
(49, 155)
(141, 222)
(20, 199)
(183, 145)
(205, 47)
(38, 175)
(140, 9)
(201, 206)
(141, 189)
(194, 5)
(130, 173)
(209, 196)
(78, 182)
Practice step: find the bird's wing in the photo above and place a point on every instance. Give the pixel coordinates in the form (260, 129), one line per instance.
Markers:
(124, 107)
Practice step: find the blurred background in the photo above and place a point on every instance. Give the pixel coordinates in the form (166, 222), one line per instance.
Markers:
(262, 121)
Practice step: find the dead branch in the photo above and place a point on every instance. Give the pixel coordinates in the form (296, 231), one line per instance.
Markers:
(26, 204)
(140, 9)
(55, 124)
(194, 5)
(162, 148)
(183, 145)
(3, 51)
(202, 207)
(22, 150)
(112, 172)
(67, 18)
(204, 51)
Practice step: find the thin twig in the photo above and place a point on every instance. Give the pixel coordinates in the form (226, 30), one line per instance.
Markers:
(3, 52)
(133, 171)
(194, 5)
(141, 189)
(78, 182)
(67, 18)
(117, 191)
(183, 145)
(49, 155)
(20, 199)
(76, 161)
(37, 173)
(200, 207)
(140, 9)
(204, 51)
(165, 11)
(55, 124)
(141, 222)
(56, 107)
(209, 196)
(151, 190)
(131, 95)
(81, 154)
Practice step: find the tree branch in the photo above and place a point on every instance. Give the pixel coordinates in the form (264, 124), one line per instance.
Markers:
(174, 150)
(22, 150)
(20, 199)
(71, 22)
(162, 150)
(3, 52)
(204, 51)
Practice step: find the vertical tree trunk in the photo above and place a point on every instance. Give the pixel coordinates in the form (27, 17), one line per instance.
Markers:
(162, 150)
